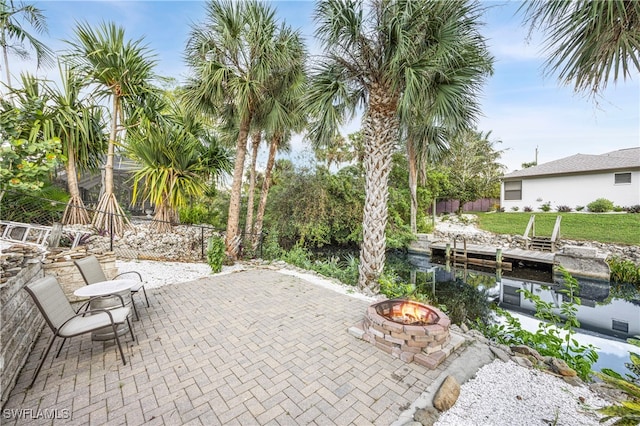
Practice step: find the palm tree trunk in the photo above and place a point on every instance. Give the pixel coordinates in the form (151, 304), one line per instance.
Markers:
(413, 183)
(75, 213)
(232, 240)
(164, 217)
(380, 134)
(273, 147)
(255, 144)
(108, 209)
(5, 54)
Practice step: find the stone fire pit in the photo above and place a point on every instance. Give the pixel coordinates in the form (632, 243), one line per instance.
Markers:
(409, 330)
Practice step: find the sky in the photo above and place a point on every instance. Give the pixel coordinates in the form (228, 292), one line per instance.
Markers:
(530, 115)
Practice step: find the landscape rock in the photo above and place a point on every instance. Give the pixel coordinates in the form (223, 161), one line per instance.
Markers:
(527, 351)
(560, 367)
(447, 395)
(500, 354)
(426, 416)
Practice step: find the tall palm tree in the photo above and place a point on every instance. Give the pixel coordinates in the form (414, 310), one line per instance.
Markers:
(282, 109)
(124, 71)
(256, 139)
(13, 34)
(78, 122)
(589, 42)
(388, 57)
(232, 56)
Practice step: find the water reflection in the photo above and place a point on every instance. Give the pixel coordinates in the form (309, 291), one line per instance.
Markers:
(608, 315)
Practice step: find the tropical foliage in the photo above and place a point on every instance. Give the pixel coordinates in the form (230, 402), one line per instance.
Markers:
(589, 43)
(28, 150)
(123, 70)
(13, 34)
(238, 55)
(472, 165)
(392, 59)
(556, 330)
(628, 412)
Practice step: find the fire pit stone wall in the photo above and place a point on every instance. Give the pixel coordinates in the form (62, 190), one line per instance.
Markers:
(427, 345)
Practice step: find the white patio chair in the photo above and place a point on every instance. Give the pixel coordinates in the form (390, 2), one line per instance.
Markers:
(65, 322)
(92, 273)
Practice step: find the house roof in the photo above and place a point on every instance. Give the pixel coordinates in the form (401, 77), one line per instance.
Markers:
(622, 159)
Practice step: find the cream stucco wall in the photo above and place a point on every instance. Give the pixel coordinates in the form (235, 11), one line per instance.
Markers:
(574, 190)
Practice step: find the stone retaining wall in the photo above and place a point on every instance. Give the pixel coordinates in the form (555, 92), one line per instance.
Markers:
(631, 253)
(61, 265)
(21, 321)
(21, 324)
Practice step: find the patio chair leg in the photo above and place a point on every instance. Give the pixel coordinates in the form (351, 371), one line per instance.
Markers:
(115, 332)
(145, 296)
(60, 348)
(131, 329)
(133, 303)
(35, 375)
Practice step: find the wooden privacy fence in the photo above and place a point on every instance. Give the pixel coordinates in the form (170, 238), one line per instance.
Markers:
(481, 205)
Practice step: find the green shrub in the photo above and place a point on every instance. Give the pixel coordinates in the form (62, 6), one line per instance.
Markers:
(215, 253)
(546, 206)
(618, 209)
(579, 208)
(633, 209)
(198, 214)
(624, 271)
(548, 340)
(629, 412)
(600, 205)
(515, 208)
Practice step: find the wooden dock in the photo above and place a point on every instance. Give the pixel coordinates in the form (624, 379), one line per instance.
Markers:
(473, 253)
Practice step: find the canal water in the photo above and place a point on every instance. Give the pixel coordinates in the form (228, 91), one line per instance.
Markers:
(608, 314)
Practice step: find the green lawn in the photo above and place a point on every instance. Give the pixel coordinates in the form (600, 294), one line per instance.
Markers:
(607, 228)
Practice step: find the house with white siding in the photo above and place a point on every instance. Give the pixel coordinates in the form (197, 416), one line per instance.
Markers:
(575, 181)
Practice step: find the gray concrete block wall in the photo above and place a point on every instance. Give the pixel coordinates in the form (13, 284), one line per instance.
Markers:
(20, 325)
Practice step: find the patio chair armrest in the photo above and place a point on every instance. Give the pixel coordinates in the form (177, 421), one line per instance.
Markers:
(129, 272)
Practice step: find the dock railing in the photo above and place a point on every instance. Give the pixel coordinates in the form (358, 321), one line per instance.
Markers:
(534, 242)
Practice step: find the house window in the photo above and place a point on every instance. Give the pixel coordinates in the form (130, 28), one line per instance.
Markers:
(622, 178)
(620, 326)
(513, 190)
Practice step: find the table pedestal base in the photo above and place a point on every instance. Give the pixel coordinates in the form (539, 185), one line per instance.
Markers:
(110, 303)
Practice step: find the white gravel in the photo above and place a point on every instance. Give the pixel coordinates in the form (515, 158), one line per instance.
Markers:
(507, 394)
(156, 274)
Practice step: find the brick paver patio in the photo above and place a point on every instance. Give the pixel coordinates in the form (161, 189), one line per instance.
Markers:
(250, 348)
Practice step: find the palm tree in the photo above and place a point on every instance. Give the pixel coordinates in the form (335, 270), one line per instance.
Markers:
(13, 34)
(177, 161)
(78, 122)
(282, 110)
(124, 70)
(589, 42)
(256, 138)
(423, 143)
(233, 56)
(388, 57)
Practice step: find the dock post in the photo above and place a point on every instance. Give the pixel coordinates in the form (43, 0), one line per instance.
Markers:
(447, 251)
(499, 258)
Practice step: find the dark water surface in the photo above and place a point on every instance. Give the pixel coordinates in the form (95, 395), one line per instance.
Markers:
(608, 314)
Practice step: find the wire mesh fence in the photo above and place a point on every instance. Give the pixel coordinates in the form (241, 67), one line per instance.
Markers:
(31, 219)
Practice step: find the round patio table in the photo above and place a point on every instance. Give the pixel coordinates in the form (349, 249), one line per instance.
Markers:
(107, 288)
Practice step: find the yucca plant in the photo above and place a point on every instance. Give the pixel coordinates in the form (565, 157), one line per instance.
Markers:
(628, 413)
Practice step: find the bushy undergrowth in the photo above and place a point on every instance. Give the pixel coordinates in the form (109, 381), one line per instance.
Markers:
(624, 271)
(215, 253)
(601, 205)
